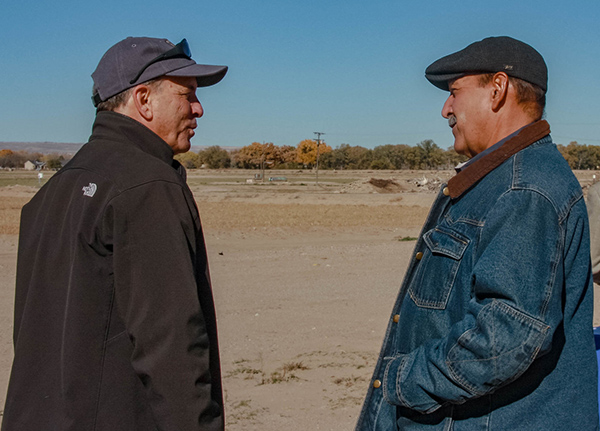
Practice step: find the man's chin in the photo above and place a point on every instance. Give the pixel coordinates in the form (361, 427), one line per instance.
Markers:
(182, 148)
(459, 149)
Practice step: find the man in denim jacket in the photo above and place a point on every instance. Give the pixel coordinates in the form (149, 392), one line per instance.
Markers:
(492, 328)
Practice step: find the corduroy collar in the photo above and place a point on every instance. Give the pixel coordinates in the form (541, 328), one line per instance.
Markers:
(469, 176)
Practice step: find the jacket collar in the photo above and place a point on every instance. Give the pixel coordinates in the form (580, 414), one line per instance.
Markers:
(470, 175)
(117, 127)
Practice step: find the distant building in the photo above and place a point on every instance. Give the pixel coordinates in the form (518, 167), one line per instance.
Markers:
(31, 166)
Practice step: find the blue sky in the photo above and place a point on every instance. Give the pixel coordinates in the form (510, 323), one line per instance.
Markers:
(352, 69)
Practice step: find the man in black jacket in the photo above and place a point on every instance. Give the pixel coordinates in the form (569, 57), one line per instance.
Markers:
(115, 327)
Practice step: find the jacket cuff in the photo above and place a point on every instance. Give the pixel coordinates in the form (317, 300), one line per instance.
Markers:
(391, 380)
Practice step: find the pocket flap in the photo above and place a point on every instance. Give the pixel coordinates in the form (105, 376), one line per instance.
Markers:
(447, 242)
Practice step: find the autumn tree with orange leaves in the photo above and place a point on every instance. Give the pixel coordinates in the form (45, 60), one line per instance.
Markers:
(252, 156)
(307, 151)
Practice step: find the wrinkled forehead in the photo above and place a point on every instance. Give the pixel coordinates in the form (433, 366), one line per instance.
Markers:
(467, 80)
(184, 81)
(178, 83)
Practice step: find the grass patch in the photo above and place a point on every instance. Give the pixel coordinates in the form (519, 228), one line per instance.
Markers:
(23, 178)
(249, 372)
(284, 374)
(292, 366)
(242, 412)
(347, 381)
(243, 403)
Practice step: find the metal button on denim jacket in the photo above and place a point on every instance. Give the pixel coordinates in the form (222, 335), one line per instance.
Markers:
(492, 328)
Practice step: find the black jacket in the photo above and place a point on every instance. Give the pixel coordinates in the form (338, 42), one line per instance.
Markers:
(115, 326)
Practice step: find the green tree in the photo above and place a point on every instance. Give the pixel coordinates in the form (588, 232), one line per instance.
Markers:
(189, 160)
(54, 161)
(358, 157)
(413, 158)
(581, 156)
(215, 157)
(431, 155)
(381, 163)
(336, 159)
(594, 156)
(577, 155)
(452, 158)
(393, 156)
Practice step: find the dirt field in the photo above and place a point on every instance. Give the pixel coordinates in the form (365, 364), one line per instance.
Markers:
(304, 277)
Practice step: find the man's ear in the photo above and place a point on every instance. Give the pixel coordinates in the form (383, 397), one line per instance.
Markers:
(500, 90)
(141, 100)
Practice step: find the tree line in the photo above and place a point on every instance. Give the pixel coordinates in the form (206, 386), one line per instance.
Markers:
(581, 156)
(424, 155)
(10, 159)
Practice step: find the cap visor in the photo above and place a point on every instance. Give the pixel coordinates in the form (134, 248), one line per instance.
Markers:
(206, 75)
(442, 81)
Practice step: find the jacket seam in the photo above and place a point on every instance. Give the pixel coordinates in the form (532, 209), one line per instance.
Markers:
(560, 216)
(101, 379)
(519, 316)
(561, 213)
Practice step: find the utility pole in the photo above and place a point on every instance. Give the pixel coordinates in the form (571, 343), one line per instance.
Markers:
(262, 162)
(318, 143)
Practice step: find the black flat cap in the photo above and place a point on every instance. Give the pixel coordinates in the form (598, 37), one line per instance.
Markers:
(491, 55)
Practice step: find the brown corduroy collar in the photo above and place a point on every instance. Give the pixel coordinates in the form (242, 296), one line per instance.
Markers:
(470, 175)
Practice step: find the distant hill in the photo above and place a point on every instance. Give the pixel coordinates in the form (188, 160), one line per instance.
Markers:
(66, 148)
(41, 147)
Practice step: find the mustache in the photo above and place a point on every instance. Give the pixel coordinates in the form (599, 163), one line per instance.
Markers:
(451, 121)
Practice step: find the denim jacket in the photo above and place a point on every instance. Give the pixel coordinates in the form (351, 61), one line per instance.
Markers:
(492, 328)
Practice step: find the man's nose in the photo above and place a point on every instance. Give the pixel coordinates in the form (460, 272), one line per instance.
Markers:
(447, 108)
(197, 109)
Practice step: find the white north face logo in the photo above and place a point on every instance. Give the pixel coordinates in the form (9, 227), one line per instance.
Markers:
(89, 190)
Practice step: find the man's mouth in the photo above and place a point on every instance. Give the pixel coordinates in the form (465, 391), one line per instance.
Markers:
(452, 121)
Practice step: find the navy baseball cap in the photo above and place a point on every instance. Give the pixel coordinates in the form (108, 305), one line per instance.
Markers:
(491, 55)
(135, 60)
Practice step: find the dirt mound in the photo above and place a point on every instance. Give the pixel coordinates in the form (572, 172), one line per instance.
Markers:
(378, 185)
(386, 186)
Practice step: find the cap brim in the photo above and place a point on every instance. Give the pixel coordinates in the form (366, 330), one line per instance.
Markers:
(441, 81)
(205, 74)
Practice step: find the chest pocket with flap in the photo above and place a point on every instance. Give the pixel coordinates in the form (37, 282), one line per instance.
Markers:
(436, 271)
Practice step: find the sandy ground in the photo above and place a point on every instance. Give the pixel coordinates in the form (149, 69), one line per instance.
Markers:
(304, 280)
